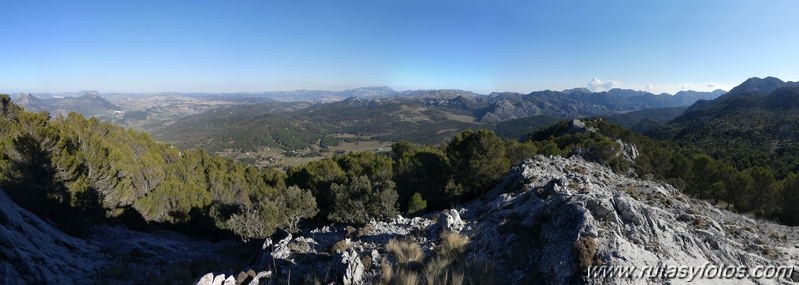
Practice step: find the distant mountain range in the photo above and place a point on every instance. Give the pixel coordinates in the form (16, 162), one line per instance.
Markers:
(492, 108)
(583, 103)
(499, 107)
(424, 116)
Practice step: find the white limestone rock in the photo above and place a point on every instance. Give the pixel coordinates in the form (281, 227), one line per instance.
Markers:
(350, 267)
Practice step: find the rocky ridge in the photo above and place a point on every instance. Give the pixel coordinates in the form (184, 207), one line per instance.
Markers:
(529, 227)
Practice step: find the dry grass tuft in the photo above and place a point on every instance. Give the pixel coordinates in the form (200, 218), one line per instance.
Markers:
(339, 246)
(386, 272)
(699, 223)
(435, 271)
(408, 277)
(365, 230)
(453, 245)
(447, 265)
(457, 278)
(584, 250)
(406, 252)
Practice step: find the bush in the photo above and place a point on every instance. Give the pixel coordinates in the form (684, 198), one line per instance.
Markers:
(357, 201)
(417, 205)
(478, 159)
(365, 230)
(584, 250)
(340, 246)
(295, 204)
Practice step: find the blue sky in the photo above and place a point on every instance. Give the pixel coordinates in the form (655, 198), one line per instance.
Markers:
(482, 46)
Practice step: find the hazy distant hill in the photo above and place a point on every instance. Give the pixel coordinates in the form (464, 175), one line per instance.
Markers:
(628, 93)
(387, 121)
(89, 104)
(321, 96)
(642, 120)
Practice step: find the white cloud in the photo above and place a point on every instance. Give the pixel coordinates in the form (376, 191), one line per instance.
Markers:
(686, 86)
(712, 85)
(597, 85)
(649, 88)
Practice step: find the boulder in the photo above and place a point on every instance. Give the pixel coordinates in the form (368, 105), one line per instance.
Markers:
(577, 126)
(628, 150)
(451, 221)
(350, 267)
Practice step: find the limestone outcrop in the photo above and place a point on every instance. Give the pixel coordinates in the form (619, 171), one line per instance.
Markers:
(547, 204)
(552, 217)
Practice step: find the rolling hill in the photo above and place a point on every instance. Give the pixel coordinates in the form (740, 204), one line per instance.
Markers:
(224, 129)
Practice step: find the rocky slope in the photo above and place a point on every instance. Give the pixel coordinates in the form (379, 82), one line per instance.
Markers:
(548, 220)
(34, 252)
(553, 202)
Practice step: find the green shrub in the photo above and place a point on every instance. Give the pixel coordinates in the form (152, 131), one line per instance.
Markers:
(417, 205)
(359, 200)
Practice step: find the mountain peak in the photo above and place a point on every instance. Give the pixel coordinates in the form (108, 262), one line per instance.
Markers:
(578, 90)
(26, 97)
(29, 102)
(91, 95)
(627, 93)
(761, 85)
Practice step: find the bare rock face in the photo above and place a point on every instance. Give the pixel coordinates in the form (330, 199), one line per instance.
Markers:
(211, 279)
(629, 150)
(30, 102)
(350, 267)
(281, 250)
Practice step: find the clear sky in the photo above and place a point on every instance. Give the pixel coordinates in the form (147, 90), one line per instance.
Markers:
(481, 46)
